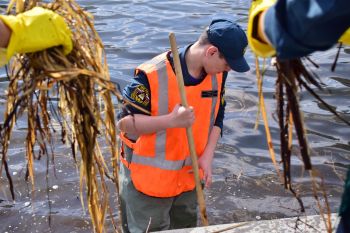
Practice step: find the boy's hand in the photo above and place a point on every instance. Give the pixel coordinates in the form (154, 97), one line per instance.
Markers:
(181, 117)
(36, 30)
(205, 163)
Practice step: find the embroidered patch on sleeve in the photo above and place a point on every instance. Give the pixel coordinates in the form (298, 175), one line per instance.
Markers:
(223, 97)
(141, 95)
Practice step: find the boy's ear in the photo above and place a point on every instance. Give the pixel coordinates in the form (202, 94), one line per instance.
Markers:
(212, 50)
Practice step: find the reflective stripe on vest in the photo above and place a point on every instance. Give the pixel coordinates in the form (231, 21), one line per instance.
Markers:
(167, 150)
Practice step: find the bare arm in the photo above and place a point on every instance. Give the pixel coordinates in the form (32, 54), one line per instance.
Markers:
(5, 34)
(139, 124)
(206, 160)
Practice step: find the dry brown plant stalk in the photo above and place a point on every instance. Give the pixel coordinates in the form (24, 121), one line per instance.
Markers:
(81, 80)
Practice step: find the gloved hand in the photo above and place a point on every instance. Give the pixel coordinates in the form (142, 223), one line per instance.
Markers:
(35, 30)
(259, 48)
(345, 38)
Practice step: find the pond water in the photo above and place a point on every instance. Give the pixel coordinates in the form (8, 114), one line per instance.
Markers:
(245, 186)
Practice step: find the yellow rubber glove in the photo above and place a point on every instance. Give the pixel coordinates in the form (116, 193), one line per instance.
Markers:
(36, 30)
(259, 48)
(345, 38)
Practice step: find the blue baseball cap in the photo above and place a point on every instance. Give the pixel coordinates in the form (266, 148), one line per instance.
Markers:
(231, 41)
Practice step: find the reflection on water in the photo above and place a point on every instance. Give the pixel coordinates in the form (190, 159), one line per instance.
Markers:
(245, 185)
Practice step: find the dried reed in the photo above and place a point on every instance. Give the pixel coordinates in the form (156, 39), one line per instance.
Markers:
(85, 109)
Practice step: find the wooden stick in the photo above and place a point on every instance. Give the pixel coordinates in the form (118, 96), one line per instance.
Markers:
(180, 82)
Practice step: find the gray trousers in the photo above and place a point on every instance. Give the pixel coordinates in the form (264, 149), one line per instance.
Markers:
(141, 213)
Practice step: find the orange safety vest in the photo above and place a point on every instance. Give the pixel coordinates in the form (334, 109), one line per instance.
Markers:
(161, 164)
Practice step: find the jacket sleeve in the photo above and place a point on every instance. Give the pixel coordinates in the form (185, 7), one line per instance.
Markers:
(138, 92)
(297, 28)
(344, 209)
(219, 121)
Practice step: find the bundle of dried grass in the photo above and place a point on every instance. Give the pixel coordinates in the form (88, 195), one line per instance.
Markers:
(292, 74)
(82, 82)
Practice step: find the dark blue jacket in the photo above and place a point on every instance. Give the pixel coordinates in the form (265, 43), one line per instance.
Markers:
(297, 28)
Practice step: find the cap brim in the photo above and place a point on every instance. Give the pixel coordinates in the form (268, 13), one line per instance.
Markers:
(238, 65)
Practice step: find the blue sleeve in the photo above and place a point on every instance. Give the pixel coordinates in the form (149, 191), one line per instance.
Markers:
(297, 28)
(219, 121)
(138, 92)
(344, 209)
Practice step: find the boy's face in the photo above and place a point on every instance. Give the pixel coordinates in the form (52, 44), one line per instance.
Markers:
(214, 62)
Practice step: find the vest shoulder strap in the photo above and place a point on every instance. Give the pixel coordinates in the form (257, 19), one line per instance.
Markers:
(152, 64)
